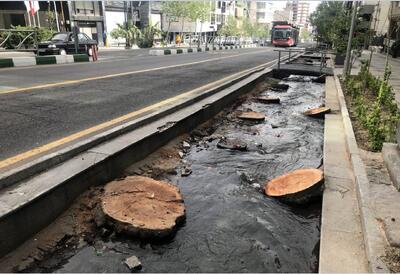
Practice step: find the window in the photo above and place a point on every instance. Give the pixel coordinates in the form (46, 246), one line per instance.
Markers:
(260, 15)
(81, 37)
(261, 5)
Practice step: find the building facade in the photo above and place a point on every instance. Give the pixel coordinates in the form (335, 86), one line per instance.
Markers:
(301, 12)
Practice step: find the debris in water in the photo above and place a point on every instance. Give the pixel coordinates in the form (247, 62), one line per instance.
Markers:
(319, 79)
(133, 263)
(256, 186)
(279, 87)
(185, 144)
(142, 207)
(268, 100)
(186, 171)
(231, 143)
(298, 187)
(252, 115)
(317, 112)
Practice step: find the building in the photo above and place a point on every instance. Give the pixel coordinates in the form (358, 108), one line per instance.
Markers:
(261, 12)
(88, 17)
(301, 12)
(285, 14)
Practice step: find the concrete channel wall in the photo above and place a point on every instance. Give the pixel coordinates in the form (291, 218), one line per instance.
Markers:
(48, 189)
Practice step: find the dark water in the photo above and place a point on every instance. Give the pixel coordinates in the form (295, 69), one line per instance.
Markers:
(231, 226)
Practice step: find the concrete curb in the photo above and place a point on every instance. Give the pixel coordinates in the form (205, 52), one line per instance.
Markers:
(175, 51)
(42, 60)
(373, 240)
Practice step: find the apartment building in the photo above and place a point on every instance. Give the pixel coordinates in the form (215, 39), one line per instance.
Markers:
(301, 12)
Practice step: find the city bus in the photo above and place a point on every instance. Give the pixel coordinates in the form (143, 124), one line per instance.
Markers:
(284, 34)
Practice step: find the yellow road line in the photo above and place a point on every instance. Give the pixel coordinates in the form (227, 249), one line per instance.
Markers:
(80, 134)
(70, 82)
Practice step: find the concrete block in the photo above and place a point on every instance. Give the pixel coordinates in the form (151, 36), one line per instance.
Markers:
(24, 61)
(391, 156)
(64, 59)
(344, 253)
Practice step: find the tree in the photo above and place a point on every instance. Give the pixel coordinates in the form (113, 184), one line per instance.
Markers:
(128, 31)
(230, 28)
(332, 21)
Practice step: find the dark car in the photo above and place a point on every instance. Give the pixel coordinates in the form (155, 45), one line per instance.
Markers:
(64, 43)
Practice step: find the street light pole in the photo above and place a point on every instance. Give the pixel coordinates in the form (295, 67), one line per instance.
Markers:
(347, 66)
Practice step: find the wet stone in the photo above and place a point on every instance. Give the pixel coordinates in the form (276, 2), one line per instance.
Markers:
(279, 87)
(133, 263)
(186, 171)
(185, 144)
(268, 100)
(231, 143)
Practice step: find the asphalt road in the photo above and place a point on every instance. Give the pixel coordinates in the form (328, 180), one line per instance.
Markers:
(35, 117)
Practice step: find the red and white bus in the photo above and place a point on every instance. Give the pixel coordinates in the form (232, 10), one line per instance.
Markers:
(284, 34)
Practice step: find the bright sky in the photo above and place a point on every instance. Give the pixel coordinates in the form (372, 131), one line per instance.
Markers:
(282, 3)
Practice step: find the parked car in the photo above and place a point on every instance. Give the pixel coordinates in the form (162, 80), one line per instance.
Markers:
(63, 43)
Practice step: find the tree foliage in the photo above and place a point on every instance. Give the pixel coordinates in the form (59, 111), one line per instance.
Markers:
(332, 20)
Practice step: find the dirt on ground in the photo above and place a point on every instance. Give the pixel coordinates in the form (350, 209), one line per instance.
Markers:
(392, 259)
(76, 227)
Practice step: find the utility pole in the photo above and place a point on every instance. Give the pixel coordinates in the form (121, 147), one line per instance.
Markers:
(347, 65)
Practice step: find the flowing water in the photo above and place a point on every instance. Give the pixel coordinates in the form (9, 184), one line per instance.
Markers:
(231, 226)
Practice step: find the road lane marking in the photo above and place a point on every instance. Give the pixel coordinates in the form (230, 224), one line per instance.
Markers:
(38, 150)
(70, 82)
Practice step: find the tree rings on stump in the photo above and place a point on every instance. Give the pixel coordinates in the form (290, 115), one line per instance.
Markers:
(268, 100)
(143, 207)
(298, 187)
(230, 143)
(252, 115)
(317, 112)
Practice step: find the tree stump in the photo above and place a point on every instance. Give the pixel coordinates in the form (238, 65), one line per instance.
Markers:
(298, 187)
(317, 112)
(142, 207)
(252, 115)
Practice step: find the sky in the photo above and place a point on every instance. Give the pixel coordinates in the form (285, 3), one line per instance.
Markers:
(282, 3)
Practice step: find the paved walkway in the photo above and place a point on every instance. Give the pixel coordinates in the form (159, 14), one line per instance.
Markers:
(378, 68)
(342, 247)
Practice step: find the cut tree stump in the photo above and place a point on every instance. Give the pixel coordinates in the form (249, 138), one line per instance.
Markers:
(252, 115)
(230, 143)
(269, 100)
(142, 207)
(298, 187)
(317, 112)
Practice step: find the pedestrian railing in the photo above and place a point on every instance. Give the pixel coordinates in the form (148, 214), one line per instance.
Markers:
(14, 39)
(322, 53)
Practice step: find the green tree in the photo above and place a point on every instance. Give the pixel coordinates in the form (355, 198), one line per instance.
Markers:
(230, 28)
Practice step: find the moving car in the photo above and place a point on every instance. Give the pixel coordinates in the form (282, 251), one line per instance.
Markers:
(63, 43)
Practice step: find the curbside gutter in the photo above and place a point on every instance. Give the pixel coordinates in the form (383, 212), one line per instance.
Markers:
(53, 184)
(43, 60)
(158, 52)
(373, 239)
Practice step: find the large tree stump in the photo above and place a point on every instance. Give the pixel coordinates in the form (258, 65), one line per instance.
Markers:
(298, 187)
(252, 116)
(142, 207)
(317, 112)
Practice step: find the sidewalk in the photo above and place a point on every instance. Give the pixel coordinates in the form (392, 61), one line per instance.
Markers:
(378, 68)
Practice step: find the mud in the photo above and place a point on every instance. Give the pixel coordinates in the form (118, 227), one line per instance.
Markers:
(231, 226)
